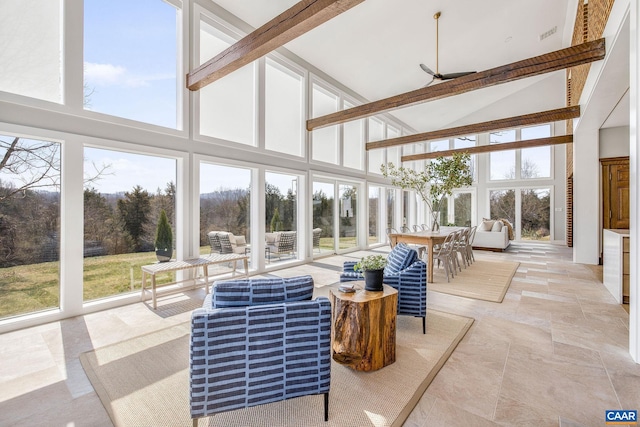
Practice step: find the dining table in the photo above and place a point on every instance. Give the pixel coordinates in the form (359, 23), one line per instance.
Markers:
(428, 238)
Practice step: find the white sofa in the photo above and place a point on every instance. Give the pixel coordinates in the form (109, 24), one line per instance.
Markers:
(492, 235)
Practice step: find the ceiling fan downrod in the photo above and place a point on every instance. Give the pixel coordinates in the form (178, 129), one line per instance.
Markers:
(436, 16)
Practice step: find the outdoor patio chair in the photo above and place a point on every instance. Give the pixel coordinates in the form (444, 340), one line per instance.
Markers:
(284, 244)
(406, 273)
(257, 341)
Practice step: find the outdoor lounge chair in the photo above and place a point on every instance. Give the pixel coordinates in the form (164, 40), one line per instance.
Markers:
(281, 243)
(257, 341)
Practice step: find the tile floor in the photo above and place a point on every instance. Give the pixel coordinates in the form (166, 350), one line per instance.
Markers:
(553, 353)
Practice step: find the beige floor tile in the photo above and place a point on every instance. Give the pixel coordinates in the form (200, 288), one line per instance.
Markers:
(445, 414)
(511, 412)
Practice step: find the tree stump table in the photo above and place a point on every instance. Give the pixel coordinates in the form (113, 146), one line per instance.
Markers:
(363, 327)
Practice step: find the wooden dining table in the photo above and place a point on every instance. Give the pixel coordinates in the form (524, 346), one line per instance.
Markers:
(428, 238)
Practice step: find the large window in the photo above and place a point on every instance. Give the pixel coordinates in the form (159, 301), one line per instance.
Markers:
(29, 225)
(283, 109)
(227, 106)
(535, 214)
(348, 227)
(375, 206)
(225, 203)
(502, 163)
(323, 199)
(324, 140)
(31, 55)
(536, 161)
(130, 60)
(390, 207)
(502, 204)
(281, 208)
(353, 142)
(462, 209)
(123, 198)
(376, 157)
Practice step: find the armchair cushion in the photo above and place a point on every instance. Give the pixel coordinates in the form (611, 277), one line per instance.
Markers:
(247, 292)
(400, 257)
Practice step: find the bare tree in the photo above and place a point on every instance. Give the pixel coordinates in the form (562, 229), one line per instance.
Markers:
(33, 165)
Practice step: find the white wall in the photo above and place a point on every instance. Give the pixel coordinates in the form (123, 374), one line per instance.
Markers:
(614, 142)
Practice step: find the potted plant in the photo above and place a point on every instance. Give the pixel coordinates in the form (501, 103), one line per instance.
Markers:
(372, 267)
(439, 178)
(164, 238)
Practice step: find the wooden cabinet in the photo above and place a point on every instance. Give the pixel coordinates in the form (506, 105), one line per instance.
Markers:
(615, 271)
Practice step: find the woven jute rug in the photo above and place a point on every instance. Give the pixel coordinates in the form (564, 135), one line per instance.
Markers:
(483, 280)
(144, 381)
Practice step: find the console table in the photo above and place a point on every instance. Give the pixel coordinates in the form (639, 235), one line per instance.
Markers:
(363, 327)
(189, 264)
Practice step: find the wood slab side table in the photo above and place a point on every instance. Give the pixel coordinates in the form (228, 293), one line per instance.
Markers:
(363, 327)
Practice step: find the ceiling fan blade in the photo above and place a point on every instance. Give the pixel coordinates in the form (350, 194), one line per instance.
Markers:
(456, 75)
(428, 84)
(427, 69)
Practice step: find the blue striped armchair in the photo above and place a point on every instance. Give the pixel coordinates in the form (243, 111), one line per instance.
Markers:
(258, 341)
(405, 272)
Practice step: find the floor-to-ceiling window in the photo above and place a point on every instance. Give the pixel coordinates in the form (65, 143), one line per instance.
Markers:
(124, 196)
(375, 212)
(225, 203)
(29, 225)
(535, 214)
(281, 209)
(348, 226)
(322, 205)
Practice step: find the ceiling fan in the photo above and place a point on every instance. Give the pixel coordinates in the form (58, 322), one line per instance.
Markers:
(437, 75)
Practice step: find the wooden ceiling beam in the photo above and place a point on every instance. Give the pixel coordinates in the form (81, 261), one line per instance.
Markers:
(553, 61)
(293, 22)
(548, 116)
(553, 140)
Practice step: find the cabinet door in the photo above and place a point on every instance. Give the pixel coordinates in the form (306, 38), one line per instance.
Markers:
(615, 183)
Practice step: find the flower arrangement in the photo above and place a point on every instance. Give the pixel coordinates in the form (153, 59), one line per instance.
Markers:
(371, 262)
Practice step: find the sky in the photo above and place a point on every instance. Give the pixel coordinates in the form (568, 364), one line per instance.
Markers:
(131, 72)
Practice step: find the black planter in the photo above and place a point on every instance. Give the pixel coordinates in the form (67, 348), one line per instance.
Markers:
(163, 255)
(373, 280)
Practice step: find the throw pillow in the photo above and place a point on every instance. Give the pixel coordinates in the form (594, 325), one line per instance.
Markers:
(509, 227)
(497, 226)
(486, 225)
(270, 238)
(241, 241)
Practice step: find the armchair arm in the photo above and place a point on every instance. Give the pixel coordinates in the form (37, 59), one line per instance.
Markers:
(411, 284)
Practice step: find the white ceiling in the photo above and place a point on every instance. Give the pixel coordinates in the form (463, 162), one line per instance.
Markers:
(376, 47)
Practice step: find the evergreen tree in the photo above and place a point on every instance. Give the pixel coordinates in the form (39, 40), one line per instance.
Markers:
(134, 211)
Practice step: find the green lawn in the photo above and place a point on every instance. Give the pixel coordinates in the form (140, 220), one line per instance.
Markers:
(35, 287)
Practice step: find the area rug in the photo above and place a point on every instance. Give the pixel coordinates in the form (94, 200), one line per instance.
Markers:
(144, 381)
(483, 280)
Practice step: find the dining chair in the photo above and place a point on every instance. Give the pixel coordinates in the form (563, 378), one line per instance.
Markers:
(471, 236)
(460, 247)
(444, 255)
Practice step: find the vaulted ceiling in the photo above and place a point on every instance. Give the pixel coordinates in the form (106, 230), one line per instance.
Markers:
(376, 48)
